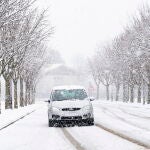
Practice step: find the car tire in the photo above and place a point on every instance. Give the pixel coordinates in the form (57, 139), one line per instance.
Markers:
(51, 123)
(90, 121)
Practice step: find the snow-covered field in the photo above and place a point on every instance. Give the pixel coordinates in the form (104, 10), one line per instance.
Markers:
(32, 132)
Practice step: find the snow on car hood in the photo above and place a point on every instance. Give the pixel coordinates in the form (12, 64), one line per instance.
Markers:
(70, 103)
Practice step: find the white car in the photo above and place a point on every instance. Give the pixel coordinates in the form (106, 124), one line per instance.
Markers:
(70, 104)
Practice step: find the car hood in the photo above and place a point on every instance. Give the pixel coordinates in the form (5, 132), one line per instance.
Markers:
(70, 103)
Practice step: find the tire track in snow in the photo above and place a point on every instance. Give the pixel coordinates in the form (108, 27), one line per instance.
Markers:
(123, 136)
(114, 115)
(22, 117)
(126, 112)
(138, 116)
(72, 140)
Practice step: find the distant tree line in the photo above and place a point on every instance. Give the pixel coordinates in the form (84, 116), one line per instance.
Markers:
(23, 33)
(124, 63)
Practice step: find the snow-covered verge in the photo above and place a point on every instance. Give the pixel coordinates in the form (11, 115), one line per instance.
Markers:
(120, 103)
(132, 120)
(33, 133)
(10, 115)
(137, 109)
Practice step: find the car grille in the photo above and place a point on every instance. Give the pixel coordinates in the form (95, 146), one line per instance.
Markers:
(71, 117)
(70, 109)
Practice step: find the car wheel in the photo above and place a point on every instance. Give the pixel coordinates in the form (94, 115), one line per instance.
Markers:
(51, 123)
(90, 121)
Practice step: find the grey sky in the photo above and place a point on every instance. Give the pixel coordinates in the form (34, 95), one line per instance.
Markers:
(82, 24)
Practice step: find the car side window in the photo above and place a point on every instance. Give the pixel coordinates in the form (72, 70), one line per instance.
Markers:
(51, 96)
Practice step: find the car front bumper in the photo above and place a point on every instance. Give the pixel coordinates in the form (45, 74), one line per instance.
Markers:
(89, 121)
(71, 117)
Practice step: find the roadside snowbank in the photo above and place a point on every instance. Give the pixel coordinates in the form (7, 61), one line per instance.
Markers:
(121, 118)
(120, 103)
(11, 115)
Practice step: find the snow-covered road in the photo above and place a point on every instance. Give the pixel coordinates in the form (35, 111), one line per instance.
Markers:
(129, 120)
(33, 133)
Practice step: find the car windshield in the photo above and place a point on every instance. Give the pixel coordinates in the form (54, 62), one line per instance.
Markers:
(59, 95)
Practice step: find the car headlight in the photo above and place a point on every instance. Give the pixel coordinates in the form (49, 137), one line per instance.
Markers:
(86, 108)
(55, 109)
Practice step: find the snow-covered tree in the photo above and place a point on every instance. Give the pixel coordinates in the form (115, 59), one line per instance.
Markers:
(23, 34)
(127, 59)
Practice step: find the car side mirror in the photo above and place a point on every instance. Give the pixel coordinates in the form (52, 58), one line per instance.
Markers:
(48, 101)
(91, 98)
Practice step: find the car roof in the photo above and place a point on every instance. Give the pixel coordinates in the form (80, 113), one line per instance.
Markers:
(68, 87)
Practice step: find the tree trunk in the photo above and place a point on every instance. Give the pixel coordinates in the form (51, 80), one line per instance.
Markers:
(124, 93)
(32, 95)
(15, 95)
(21, 93)
(27, 95)
(139, 94)
(8, 96)
(117, 92)
(0, 95)
(128, 93)
(107, 92)
(132, 94)
(97, 92)
(143, 93)
(112, 96)
(148, 96)
(34, 91)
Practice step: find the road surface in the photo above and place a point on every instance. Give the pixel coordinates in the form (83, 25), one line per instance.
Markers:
(32, 133)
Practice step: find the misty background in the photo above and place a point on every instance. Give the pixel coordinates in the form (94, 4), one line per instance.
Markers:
(80, 28)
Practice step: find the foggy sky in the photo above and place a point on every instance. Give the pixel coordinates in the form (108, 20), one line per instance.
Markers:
(81, 25)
